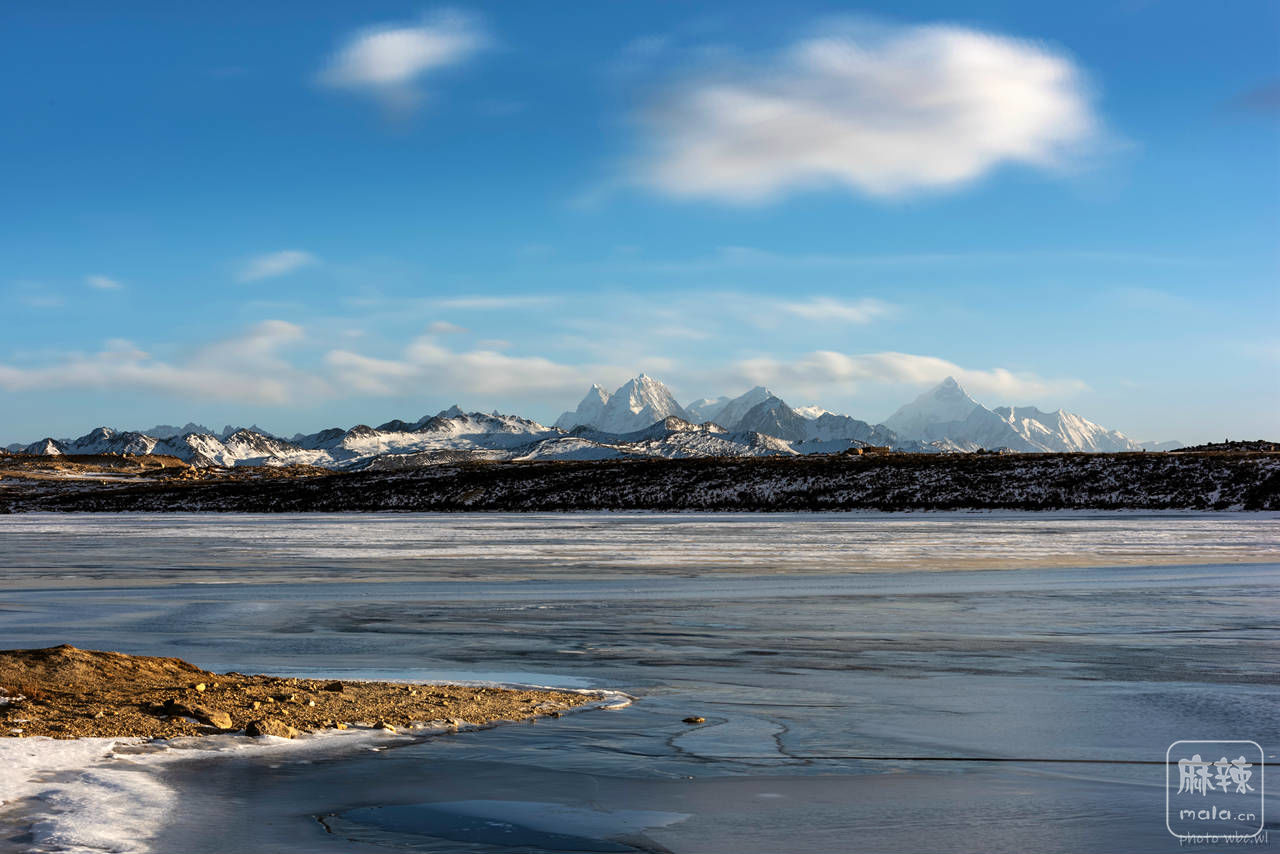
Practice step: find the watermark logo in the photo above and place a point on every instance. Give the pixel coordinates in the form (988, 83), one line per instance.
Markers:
(1214, 791)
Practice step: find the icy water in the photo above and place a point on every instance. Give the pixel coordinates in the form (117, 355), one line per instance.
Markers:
(896, 683)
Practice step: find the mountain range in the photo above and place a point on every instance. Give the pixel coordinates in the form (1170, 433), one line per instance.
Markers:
(641, 419)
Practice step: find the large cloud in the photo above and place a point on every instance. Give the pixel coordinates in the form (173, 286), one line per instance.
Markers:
(388, 61)
(881, 112)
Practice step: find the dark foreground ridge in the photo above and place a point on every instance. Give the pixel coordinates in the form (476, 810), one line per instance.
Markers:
(1217, 480)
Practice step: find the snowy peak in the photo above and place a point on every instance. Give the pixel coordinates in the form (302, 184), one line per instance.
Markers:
(772, 417)
(644, 393)
(589, 410)
(733, 411)
(945, 403)
(640, 402)
(946, 413)
(45, 448)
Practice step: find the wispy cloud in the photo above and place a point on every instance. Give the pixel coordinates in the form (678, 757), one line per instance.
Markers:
(262, 365)
(444, 327)
(828, 309)
(102, 283)
(246, 367)
(36, 295)
(734, 258)
(275, 264)
(389, 61)
(881, 111)
(491, 303)
(428, 365)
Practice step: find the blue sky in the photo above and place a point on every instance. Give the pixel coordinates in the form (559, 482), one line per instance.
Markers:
(305, 215)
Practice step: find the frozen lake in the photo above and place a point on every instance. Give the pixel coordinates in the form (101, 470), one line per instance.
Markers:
(870, 682)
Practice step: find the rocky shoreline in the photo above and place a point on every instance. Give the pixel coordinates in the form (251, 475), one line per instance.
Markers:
(64, 692)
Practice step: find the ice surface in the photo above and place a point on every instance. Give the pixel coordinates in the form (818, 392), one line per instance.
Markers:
(827, 654)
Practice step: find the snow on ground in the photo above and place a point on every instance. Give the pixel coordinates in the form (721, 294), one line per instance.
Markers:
(90, 795)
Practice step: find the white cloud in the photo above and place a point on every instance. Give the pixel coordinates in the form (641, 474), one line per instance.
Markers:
(831, 374)
(102, 283)
(480, 303)
(884, 112)
(444, 327)
(388, 61)
(275, 264)
(827, 309)
(246, 367)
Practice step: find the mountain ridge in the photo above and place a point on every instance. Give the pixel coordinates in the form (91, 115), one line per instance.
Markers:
(641, 419)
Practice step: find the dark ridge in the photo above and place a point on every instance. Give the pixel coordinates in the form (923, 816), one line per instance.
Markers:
(1139, 481)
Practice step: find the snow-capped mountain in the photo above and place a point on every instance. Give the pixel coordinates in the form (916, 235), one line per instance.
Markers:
(639, 403)
(947, 413)
(1063, 431)
(101, 440)
(590, 410)
(728, 412)
(640, 419)
(820, 432)
(168, 431)
(830, 427)
(706, 409)
(449, 431)
(671, 438)
(773, 417)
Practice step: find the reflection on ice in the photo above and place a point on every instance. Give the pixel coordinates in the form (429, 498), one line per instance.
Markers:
(507, 825)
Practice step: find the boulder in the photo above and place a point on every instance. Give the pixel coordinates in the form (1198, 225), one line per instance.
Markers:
(270, 726)
(213, 717)
(204, 714)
